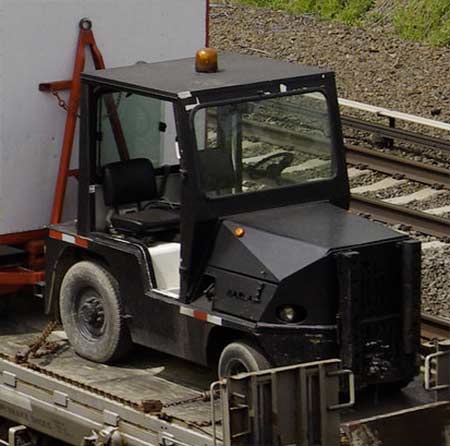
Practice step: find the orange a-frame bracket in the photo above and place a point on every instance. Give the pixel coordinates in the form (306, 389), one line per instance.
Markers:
(14, 278)
(86, 40)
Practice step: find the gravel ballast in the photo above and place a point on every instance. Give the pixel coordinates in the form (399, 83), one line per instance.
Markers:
(370, 67)
(436, 281)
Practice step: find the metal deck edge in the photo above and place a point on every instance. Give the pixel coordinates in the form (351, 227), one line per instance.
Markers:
(22, 389)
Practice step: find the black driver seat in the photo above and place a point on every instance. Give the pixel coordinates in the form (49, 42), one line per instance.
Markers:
(134, 182)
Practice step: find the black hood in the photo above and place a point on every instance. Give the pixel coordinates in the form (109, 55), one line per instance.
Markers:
(278, 242)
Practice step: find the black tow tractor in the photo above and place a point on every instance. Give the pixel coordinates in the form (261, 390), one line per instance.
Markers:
(216, 227)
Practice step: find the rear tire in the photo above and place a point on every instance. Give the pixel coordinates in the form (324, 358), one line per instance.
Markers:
(241, 357)
(92, 314)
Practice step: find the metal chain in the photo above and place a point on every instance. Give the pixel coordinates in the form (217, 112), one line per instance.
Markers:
(49, 348)
(22, 357)
(65, 106)
(204, 396)
(117, 399)
(132, 404)
(62, 103)
(72, 382)
(195, 424)
(156, 406)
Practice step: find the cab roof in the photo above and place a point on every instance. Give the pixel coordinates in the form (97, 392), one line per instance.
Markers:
(176, 78)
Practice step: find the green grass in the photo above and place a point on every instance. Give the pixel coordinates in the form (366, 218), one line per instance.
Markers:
(348, 11)
(424, 21)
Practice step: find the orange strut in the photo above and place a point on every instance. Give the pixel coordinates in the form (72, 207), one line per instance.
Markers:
(86, 39)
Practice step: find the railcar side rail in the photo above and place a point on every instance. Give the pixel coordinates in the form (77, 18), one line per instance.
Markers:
(291, 405)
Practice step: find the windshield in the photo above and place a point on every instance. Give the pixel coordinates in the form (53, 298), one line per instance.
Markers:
(263, 144)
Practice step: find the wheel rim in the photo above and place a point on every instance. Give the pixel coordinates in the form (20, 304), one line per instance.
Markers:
(236, 366)
(90, 314)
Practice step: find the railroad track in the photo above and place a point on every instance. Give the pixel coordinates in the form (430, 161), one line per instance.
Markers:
(436, 177)
(434, 328)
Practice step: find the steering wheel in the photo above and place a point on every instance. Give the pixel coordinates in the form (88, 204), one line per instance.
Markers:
(270, 166)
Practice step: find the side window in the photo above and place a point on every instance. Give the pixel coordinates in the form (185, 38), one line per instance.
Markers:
(266, 144)
(141, 126)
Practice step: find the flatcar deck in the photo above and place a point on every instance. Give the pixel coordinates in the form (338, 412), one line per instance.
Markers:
(145, 375)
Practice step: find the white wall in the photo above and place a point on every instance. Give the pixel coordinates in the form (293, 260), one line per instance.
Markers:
(37, 44)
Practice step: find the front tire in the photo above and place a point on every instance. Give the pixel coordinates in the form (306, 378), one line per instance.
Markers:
(92, 314)
(241, 357)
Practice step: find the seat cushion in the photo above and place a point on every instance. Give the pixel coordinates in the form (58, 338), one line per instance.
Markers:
(131, 181)
(150, 220)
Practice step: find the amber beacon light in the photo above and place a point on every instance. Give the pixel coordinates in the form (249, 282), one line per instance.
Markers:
(206, 60)
(239, 232)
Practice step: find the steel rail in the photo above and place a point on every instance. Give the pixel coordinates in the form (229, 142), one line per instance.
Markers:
(393, 165)
(433, 327)
(391, 213)
(396, 133)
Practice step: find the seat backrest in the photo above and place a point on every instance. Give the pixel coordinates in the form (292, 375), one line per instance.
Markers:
(131, 181)
(216, 170)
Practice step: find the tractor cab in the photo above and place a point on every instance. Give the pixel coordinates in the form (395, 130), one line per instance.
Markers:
(213, 225)
(188, 148)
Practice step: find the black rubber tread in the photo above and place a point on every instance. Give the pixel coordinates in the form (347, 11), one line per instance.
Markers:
(248, 353)
(116, 341)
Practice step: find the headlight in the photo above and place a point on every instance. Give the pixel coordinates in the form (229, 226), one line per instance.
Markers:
(287, 314)
(291, 314)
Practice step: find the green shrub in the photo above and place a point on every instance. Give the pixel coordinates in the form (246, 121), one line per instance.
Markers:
(424, 20)
(348, 11)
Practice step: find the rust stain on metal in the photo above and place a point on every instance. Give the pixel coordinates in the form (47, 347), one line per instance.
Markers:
(152, 406)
